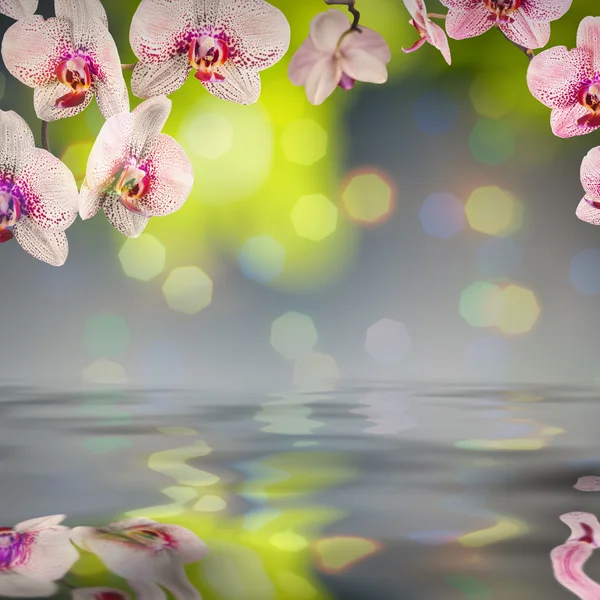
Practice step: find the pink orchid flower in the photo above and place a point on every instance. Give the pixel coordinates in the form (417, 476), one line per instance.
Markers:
(33, 555)
(524, 22)
(147, 554)
(134, 171)
(334, 55)
(225, 43)
(568, 82)
(569, 559)
(100, 593)
(588, 209)
(67, 59)
(38, 194)
(18, 9)
(429, 31)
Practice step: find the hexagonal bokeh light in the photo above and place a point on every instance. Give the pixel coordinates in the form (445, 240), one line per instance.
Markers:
(494, 211)
(293, 335)
(388, 341)
(262, 258)
(304, 142)
(368, 197)
(188, 290)
(316, 371)
(142, 258)
(442, 215)
(520, 310)
(314, 217)
(481, 304)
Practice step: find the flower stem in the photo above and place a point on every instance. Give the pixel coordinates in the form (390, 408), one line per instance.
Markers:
(128, 67)
(436, 16)
(350, 4)
(45, 138)
(527, 51)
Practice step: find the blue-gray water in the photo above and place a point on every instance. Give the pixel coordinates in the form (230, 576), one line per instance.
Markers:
(414, 471)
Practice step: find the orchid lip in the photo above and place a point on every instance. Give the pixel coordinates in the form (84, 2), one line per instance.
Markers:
(501, 10)
(205, 54)
(75, 73)
(132, 185)
(11, 210)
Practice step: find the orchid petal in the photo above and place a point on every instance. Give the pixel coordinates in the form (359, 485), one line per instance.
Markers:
(16, 585)
(148, 120)
(302, 62)
(240, 85)
(90, 200)
(51, 248)
(39, 523)
(327, 28)
(545, 10)
(461, 24)
(16, 140)
(364, 56)
(588, 38)
(172, 178)
(258, 32)
(45, 98)
(568, 561)
(588, 213)
(590, 173)
(146, 590)
(581, 524)
(93, 593)
(173, 578)
(439, 40)
(49, 190)
(417, 9)
(461, 4)
(81, 11)
(157, 27)
(564, 121)
(526, 33)
(31, 49)
(122, 219)
(18, 9)
(323, 79)
(418, 44)
(149, 79)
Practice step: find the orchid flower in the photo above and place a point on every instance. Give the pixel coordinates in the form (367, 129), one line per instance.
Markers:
(67, 59)
(147, 554)
(428, 30)
(38, 193)
(588, 209)
(335, 55)
(100, 593)
(18, 9)
(33, 555)
(569, 559)
(524, 22)
(568, 82)
(226, 43)
(134, 171)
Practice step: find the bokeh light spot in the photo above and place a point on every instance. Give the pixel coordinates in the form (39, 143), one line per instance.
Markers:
(304, 142)
(262, 259)
(213, 134)
(520, 310)
(435, 112)
(316, 371)
(288, 541)
(492, 95)
(442, 215)
(492, 142)
(494, 211)
(336, 554)
(368, 197)
(504, 529)
(499, 257)
(585, 271)
(105, 372)
(142, 258)
(210, 503)
(188, 290)
(388, 341)
(76, 156)
(481, 304)
(293, 335)
(314, 217)
(106, 335)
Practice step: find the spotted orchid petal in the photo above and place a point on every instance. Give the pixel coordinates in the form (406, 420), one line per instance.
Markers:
(18, 9)
(123, 220)
(545, 10)
(590, 173)
(364, 56)
(565, 121)
(468, 23)
(588, 38)
(17, 585)
(461, 4)
(525, 32)
(129, 549)
(102, 593)
(238, 39)
(16, 140)
(80, 12)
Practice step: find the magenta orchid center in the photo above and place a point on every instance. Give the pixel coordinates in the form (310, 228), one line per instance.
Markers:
(13, 549)
(501, 10)
(76, 74)
(205, 54)
(109, 596)
(132, 185)
(346, 82)
(11, 210)
(142, 537)
(589, 97)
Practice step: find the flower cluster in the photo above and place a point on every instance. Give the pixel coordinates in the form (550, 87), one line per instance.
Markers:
(135, 172)
(36, 555)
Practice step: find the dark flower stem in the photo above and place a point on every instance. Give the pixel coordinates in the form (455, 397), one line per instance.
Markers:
(45, 138)
(527, 51)
(350, 4)
(128, 67)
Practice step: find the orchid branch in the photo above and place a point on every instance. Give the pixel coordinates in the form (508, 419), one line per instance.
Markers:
(128, 67)
(527, 51)
(45, 137)
(436, 16)
(350, 4)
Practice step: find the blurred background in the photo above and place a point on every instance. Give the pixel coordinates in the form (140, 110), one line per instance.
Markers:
(422, 230)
